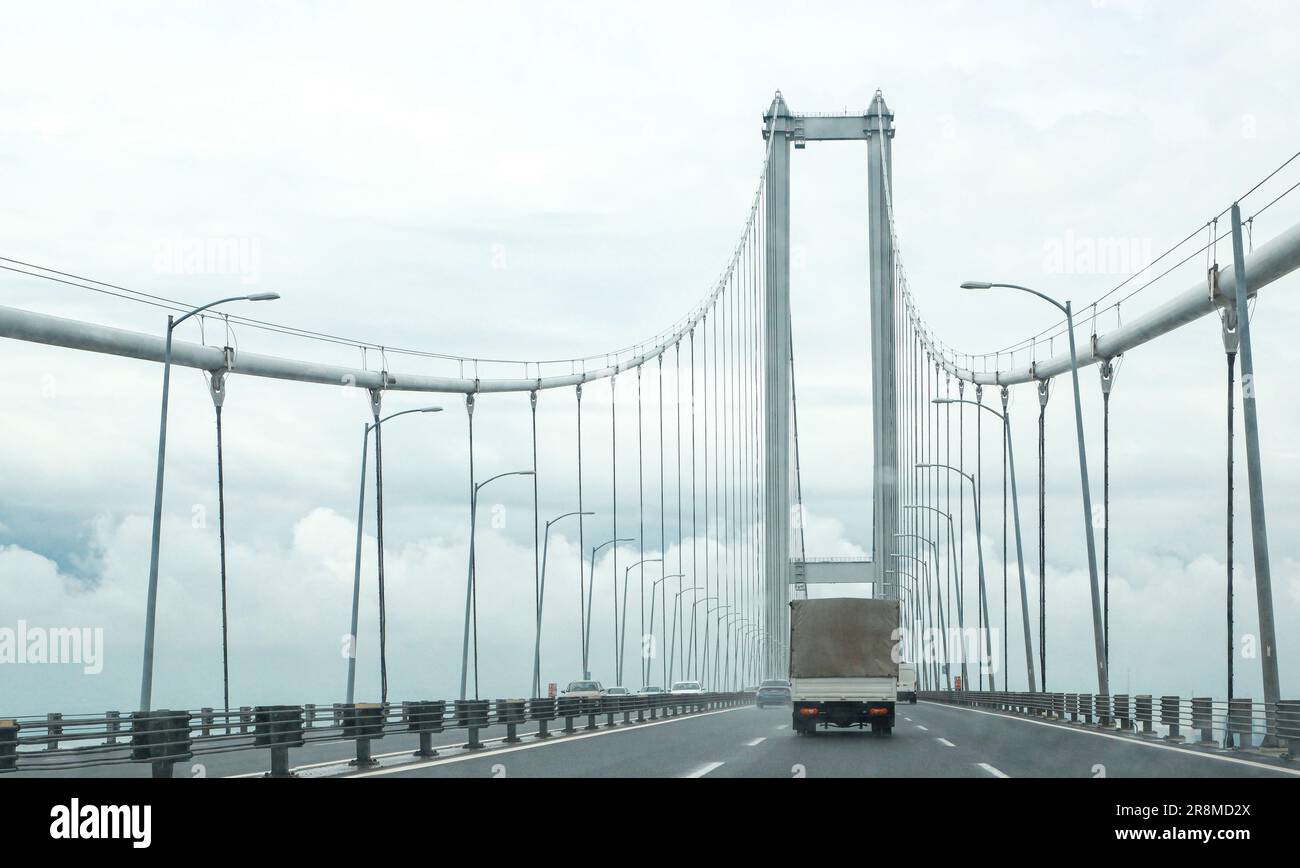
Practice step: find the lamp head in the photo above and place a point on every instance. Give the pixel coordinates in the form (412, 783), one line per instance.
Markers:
(977, 284)
(262, 296)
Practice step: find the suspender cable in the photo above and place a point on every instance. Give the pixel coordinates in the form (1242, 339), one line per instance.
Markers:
(1005, 661)
(1230, 344)
(379, 532)
(582, 549)
(663, 537)
(694, 535)
(704, 409)
(1043, 393)
(537, 558)
(613, 496)
(1107, 371)
(678, 618)
(469, 572)
(640, 494)
(217, 386)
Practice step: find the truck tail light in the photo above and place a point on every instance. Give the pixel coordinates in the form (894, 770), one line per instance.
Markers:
(808, 712)
(876, 712)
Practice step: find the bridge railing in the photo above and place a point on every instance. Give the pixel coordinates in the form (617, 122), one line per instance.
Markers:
(1238, 722)
(162, 738)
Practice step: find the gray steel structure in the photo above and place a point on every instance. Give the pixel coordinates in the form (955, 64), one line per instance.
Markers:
(782, 128)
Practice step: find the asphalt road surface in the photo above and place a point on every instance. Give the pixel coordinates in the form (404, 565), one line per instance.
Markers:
(929, 740)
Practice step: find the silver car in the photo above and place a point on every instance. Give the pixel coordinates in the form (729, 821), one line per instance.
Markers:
(686, 688)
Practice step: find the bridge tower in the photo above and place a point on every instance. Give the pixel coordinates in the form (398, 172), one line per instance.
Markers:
(876, 127)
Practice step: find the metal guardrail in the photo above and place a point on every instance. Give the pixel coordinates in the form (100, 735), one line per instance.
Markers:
(166, 737)
(1239, 722)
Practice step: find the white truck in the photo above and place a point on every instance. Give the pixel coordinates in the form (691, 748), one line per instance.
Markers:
(843, 664)
(907, 682)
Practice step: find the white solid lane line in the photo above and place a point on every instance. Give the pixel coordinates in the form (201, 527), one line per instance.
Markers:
(703, 770)
(945, 742)
(1128, 740)
(759, 740)
(991, 770)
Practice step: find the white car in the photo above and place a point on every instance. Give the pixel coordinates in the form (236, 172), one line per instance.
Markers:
(686, 688)
(650, 691)
(617, 691)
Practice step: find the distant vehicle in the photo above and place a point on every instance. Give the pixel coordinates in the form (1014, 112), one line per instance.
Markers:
(907, 683)
(583, 690)
(617, 691)
(651, 690)
(843, 671)
(686, 688)
(773, 691)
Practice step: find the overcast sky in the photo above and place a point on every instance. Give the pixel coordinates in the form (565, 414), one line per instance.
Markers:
(551, 180)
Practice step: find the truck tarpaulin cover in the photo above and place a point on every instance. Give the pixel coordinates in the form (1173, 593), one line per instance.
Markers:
(843, 638)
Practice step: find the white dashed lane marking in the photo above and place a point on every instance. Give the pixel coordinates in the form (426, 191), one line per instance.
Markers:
(922, 728)
(945, 742)
(756, 741)
(997, 773)
(703, 770)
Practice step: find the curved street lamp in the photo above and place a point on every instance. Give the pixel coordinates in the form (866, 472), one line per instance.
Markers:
(151, 603)
(979, 548)
(1005, 416)
(541, 596)
(356, 572)
(1099, 640)
(471, 584)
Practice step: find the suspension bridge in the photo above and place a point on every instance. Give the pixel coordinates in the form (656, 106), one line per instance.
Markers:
(700, 572)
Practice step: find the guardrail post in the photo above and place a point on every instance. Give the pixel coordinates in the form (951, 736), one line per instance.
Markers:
(1072, 706)
(591, 708)
(1169, 716)
(543, 711)
(472, 714)
(425, 718)
(1122, 712)
(245, 718)
(1101, 706)
(161, 738)
(205, 721)
(511, 712)
(1288, 726)
(1085, 708)
(9, 745)
(308, 715)
(1239, 719)
(1143, 703)
(278, 727)
(567, 707)
(1203, 718)
(113, 726)
(363, 721)
(53, 729)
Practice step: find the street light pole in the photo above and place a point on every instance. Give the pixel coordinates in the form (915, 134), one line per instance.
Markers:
(473, 581)
(356, 574)
(584, 625)
(151, 605)
(541, 596)
(1099, 640)
(979, 549)
(620, 635)
(654, 587)
(1005, 416)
